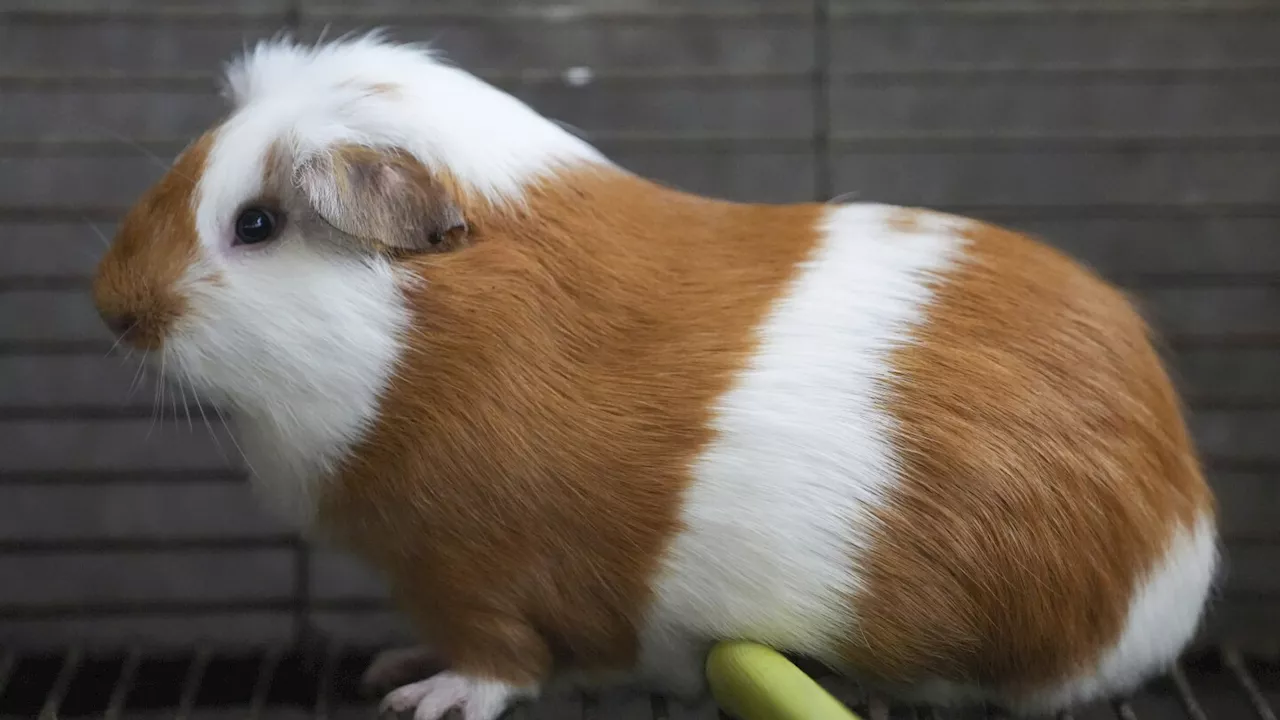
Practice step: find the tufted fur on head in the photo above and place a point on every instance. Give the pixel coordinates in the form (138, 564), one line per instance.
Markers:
(365, 90)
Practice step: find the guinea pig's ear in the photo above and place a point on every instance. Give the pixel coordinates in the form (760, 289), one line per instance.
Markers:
(384, 196)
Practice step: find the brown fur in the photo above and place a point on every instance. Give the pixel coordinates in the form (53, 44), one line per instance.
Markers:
(1046, 467)
(525, 474)
(134, 285)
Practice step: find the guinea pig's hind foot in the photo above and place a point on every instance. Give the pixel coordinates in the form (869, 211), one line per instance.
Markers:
(395, 667)
(430, 699)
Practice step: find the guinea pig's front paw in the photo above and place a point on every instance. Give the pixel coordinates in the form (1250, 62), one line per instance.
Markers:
(430, 699)
(399, 666)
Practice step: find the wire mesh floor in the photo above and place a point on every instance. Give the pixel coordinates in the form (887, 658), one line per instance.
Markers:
(292, 684)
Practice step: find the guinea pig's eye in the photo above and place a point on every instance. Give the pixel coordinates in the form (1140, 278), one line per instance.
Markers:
(255, 225)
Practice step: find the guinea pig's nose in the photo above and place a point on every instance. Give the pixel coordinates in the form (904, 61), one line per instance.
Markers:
(120, 323)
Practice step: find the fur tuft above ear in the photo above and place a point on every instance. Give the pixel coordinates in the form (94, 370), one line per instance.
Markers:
(382, 195)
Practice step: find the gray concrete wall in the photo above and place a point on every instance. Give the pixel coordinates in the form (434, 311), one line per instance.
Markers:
(1144, 137)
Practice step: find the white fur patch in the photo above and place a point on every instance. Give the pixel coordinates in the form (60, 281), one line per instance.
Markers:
(299, 347)
(781, 501)
(1163, 617)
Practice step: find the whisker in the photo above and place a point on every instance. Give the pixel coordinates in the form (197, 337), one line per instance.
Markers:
(186, 407)
(138, 375)
(173, 400)
(232, 436)
(96, 230)
(158, 406)
(120, 338)
(212, 433)
(163, 384)
(571, 128)
(159, 161)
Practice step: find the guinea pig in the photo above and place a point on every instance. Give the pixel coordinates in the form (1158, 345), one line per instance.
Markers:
(588, 425)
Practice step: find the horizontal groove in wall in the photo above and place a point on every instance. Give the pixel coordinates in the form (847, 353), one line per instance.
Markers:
(755, 14)
(86, 11)
(140, 544)
(54, 347)
(1197, 403)
(1053, 73)
(141, 409)
(931, 142)
(700, 144)
(207, 82)
(107, 477)
(44, 283)
(996, 8)
(1250, 540)
(1139, 281)
(1242, 465)
(180, 607)
(47, 13)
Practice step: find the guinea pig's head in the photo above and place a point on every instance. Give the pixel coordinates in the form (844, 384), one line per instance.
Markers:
(269, 264)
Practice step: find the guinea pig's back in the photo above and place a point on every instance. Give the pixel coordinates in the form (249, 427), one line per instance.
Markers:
(954, 464)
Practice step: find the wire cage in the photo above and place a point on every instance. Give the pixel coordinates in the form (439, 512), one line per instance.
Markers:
(293, 683)
(138, 579)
